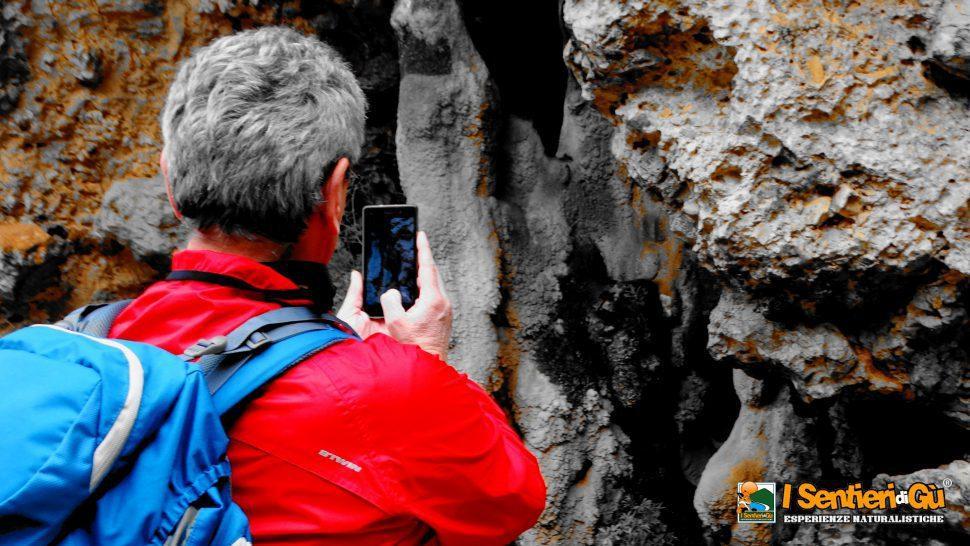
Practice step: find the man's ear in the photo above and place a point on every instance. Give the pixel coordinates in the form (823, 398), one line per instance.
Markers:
(319, 241)
(335, 194)
(168, 185)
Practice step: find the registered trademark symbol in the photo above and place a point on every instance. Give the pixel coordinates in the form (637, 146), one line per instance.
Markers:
(947, 482)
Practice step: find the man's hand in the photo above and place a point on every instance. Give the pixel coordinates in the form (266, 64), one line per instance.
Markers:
(426, 324)
(352, 312)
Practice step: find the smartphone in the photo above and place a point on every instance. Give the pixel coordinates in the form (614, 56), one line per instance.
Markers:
(390, 255)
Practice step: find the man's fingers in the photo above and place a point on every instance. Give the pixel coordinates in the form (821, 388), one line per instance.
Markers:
(354, 298)
(427, 271)
(356, 289)
(391, 304)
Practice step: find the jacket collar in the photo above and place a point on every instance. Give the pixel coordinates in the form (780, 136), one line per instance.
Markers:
(248, 270)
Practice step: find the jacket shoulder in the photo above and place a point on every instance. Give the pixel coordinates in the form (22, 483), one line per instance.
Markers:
(378, 368)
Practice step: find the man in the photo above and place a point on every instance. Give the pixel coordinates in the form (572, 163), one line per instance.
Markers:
(367, 442)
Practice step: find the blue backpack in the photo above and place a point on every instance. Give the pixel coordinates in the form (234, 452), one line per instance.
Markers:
(111, 442)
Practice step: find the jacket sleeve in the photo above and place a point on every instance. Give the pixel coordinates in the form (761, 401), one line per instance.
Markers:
(462, 469)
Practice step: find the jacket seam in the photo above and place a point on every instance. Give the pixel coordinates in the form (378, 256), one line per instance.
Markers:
(317, 475)
(362, 429)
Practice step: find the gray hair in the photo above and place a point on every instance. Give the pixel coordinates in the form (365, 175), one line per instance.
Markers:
(253, 124)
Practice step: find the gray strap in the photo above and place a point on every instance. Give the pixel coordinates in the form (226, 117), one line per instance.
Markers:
(249, 336)
(218, 369)
(95, 319)
(221, 357)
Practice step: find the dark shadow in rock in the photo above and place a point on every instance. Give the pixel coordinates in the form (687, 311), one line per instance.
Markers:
(954, 83)
(14, 68)
(854, 301)
(522, 43)
(361, 32)
(900, 437)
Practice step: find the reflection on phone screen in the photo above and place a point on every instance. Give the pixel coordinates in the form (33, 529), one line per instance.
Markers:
(390, 259)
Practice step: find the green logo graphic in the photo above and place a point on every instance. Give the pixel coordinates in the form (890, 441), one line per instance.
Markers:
(756, 502)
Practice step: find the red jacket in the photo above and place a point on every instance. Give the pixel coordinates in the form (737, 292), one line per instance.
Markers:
(369, 442)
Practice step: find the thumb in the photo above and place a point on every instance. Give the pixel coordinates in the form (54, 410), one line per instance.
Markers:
(355, 295)
(391, 304)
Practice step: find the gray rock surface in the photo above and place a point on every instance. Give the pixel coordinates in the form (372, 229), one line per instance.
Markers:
(136, 212)
(814, 156)
(819, 359)
(30, 258)
(14, 69)
(768, 439)
(802, 161)
(442, 144)
(949, 43)
(954, 478)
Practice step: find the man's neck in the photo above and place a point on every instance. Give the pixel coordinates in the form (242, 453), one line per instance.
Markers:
(256, 248)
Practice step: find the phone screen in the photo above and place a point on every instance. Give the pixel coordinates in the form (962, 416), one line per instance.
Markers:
(390, 255)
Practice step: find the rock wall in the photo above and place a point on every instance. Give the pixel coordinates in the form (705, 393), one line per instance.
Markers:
(689, 243)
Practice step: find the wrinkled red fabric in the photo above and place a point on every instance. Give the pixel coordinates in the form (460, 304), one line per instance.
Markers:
(369, 442)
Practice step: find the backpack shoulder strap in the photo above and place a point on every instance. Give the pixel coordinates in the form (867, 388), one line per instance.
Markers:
(260, 369)
(262, 348)
(257, 351)
(93, 319)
